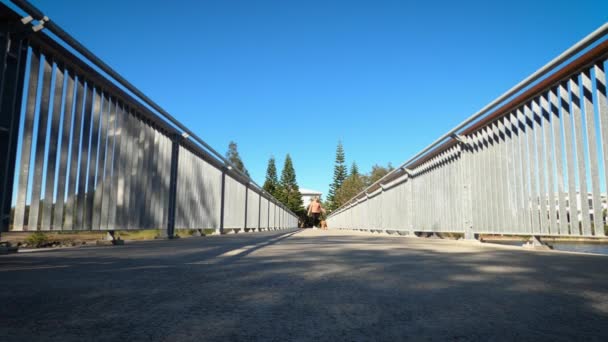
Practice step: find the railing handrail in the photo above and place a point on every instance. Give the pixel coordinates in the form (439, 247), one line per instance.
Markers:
(536, 76)
(73, 43)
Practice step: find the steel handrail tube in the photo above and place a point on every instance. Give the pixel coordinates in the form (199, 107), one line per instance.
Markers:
(77, 46)
(543, 71)
(142, 129)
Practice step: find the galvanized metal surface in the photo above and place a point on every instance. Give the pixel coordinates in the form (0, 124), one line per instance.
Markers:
(253, 209)
(13, 55)
(234, 211)
(92, 157)
(538, 168)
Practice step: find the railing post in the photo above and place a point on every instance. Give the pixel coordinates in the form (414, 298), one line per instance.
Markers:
(465, 169)
(246, 199)
(175, 142)
(222, 200)
(13, 55)
(260, 212)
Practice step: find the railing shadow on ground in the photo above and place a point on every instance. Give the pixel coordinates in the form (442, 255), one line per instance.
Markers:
(310, 287)
(139, 251)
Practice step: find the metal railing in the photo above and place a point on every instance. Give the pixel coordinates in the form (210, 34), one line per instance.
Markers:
(81, 153)
(532, 162)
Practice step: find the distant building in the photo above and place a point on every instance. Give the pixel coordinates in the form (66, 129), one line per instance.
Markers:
(308, 195)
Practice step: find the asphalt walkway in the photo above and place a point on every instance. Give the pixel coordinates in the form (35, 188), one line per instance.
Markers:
(303, 286)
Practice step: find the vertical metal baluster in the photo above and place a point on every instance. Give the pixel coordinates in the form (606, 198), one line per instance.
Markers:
(473, 175)
(46, 222)
(602, 107)
(12, 91)
(570, 161)
(173, 181)
(64, 153)
(246, 207)
(485, 201)
(500, 155)
(39, 157)
(549, 164)
(80, 207)
(540, 166)
(136, 172)
(489, 171)
(506, 138)
(522, 128)
(144, 174)
(259, 211)
(162, 178)
(575, 99)
(71, 205)
(534, 169)
(140, 173)
(181, 185)
(513, 128)
(108, 162)
(149, 198)
(201, 204)
(189, 192)
(92, 165)
(596, 200)
(26, 145)
(557, 143)
(154, 214)
(130, 162)
(167, 180)
(117, 189)
(127, 157)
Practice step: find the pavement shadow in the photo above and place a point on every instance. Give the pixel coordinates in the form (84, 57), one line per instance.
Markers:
(303, 286)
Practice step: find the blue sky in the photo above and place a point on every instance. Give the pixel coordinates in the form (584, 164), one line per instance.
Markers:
(385, 77)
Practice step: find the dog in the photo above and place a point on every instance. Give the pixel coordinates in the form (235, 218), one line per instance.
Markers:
(324, 225)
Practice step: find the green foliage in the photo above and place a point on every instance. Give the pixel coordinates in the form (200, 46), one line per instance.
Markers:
(339, 177)
(37, 239)
(378, 172)
(233, 156)
(271, 184)
(354, 169)
(356, 182)
(289, 192)
(352, 186)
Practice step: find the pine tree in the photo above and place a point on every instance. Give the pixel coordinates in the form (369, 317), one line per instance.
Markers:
(289, 190)
(339, 177)
(233, 156)
(354, 170)
(271, 184)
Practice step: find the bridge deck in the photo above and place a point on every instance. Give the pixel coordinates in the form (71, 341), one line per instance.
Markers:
(303, 285)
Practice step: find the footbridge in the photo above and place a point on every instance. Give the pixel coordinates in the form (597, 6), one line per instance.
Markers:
(532, 162)
(82, 149)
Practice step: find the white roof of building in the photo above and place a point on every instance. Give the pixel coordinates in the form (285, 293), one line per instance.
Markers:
(304, 191)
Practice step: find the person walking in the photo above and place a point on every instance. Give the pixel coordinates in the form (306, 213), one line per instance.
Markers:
(314, 210)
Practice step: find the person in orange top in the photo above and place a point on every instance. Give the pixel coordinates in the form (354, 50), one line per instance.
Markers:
(314, 210)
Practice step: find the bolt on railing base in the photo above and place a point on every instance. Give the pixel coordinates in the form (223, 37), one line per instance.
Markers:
(110, 239)
(536, 243)
(110, 236)
(163, 234)
(469, 235)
